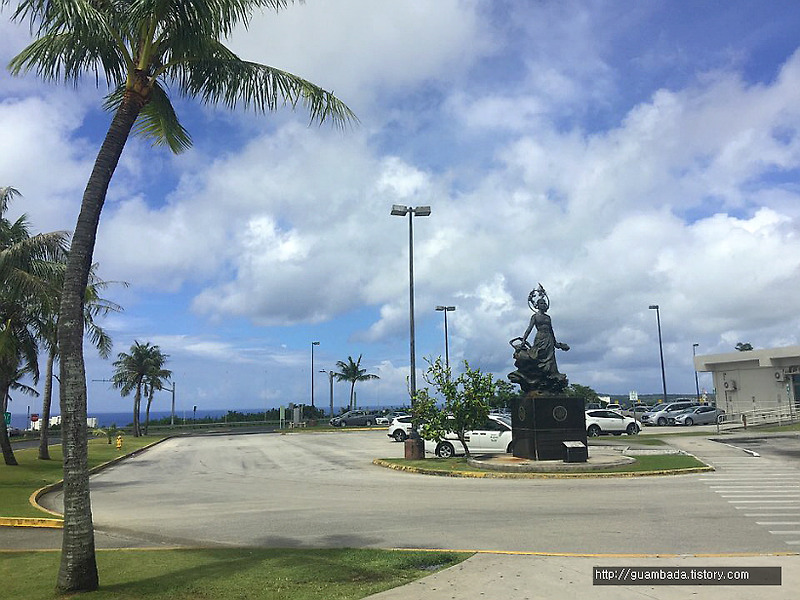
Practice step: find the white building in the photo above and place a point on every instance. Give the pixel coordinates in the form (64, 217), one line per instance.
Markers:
(91, 422)
(755, 380)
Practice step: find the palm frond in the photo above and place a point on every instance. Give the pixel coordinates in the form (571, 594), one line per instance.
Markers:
(157, 120)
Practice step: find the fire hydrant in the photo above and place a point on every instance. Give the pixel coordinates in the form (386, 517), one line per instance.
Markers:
(119, 442)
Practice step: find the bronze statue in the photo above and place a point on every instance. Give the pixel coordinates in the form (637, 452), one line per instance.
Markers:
(537, 370)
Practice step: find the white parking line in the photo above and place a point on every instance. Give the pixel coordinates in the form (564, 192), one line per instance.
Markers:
(777, 522)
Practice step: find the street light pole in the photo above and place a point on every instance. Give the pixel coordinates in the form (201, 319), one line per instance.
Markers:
(696, 381)
(312, 372)
(445, 310)
(331, 374)
(399, 210)
(660, 348)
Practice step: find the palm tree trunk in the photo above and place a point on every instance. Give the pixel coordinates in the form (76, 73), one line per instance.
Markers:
(147, 411)
(47, 400)
(5, 443)
(137, 402)
(78, 570)
(352, 393)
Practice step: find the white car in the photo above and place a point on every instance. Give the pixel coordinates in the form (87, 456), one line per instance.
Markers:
(493, 437)
(600, 421)
(400, 428)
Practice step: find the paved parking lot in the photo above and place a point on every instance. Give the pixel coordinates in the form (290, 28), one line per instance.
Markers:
(320, 490)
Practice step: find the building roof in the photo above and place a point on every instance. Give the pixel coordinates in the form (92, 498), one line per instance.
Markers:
(749, 359)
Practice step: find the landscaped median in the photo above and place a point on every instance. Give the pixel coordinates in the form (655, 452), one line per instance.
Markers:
(21, 485)
(641, 465)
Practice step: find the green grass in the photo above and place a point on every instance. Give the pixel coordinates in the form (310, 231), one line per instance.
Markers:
(658, 462)
(228, 574)
(19, 482)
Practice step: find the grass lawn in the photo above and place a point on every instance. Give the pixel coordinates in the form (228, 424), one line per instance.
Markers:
(657, 462)
(18, 483)
(228, 574)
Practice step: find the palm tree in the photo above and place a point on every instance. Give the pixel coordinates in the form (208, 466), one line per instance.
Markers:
(131, 375)
(94, 306)
(142, 48)
(154, 380)
(351, 371)
(27, 290)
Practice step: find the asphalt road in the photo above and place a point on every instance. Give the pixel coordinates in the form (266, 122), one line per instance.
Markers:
(321, 490)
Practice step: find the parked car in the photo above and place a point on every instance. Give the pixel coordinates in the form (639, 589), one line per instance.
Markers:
(14, 431)
(400, 428)
(358, 418)
(661, 413)
(613, 406)
(698, 415)
(493, 437)
(602, 421)
(388, 417)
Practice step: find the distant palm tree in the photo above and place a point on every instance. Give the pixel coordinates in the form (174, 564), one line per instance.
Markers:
(154, 380)
(136, 371)
(93, 306)
(351, 371)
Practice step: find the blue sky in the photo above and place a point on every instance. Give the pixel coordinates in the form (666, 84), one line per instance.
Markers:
(621, 153)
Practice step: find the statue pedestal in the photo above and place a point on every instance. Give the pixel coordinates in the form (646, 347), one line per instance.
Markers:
(541, 425)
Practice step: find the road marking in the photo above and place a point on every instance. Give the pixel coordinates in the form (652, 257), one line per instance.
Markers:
(764, 501)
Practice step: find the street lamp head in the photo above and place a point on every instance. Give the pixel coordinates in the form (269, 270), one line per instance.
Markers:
(695, 345)
(422, 211)
(447, 308)
(315, 343)
(399, 210)
(653, 307)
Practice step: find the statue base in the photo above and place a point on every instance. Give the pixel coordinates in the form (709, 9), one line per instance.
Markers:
(541, 424)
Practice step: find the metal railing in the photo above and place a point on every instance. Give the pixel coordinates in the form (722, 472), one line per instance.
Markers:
(786, 415)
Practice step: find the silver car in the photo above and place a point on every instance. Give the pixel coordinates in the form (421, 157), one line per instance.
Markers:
(661, 414)
(699, 415)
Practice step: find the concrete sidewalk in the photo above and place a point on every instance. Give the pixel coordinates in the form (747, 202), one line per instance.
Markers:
(528, 577)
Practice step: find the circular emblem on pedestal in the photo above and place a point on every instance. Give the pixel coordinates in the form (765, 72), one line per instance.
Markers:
(521, 413)
(560, 413)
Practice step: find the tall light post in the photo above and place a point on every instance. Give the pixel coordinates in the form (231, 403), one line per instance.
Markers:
(172, 389)
(696, 380)
(331, 375)
(312, 372)
(660, 348)
(399, 210)
(445, 310)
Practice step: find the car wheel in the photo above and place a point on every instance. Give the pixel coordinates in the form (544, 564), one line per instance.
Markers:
(632, 429)
(593, 431)
(368, 423)
(445, 450)
(342, 423)
(510, 448)
(689, 421)
(662, 421)
(399, 436)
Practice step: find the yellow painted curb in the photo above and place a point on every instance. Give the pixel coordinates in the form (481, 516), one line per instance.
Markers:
(608, 555)
(30, 522)
(534, 475)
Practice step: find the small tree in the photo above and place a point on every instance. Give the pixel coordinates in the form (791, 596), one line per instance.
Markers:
(744, 346)
(582, 391)
(504, 394)
(465, 402)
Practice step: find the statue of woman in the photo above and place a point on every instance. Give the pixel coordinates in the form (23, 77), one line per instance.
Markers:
(536, 364)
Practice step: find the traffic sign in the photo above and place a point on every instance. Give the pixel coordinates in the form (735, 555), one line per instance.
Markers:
(34, 418)
(8, 418)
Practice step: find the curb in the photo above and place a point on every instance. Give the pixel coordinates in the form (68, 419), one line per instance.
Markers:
(58, 522)
(533, 475)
